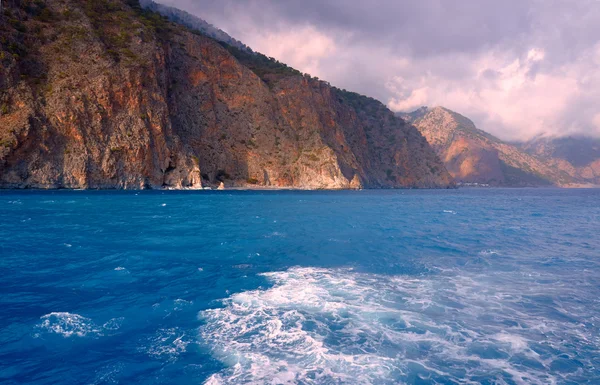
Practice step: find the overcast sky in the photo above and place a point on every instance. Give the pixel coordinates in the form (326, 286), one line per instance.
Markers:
(518, 68)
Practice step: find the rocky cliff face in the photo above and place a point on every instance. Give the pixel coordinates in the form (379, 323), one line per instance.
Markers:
(474, 156)
(102, 94)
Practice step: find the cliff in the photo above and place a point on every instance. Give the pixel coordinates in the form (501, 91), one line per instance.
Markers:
(474, 156)
(104, 94)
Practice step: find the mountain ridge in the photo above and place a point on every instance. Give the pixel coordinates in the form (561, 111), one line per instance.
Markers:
(193, 22)
(473, 156)
(578, 156)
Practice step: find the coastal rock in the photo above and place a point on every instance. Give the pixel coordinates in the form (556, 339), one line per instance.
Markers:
(102, 94)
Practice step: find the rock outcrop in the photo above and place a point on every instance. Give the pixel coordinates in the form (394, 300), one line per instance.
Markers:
(474, 156)
(103, 94)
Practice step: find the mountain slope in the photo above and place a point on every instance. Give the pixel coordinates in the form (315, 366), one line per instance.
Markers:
(103, 94)
(579, 157)
(194, 23)
(474, 156)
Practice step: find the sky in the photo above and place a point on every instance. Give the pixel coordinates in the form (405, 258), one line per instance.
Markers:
(517, 68)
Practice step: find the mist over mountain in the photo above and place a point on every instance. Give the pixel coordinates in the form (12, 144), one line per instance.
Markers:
(578, 156)
(577, 150)
(193, 22)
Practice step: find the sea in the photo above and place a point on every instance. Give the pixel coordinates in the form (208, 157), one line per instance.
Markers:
(468, 286)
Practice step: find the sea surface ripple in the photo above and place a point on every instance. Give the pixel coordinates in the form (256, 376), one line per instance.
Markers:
(470, 286)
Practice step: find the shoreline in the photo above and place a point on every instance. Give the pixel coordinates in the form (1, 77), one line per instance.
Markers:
(275, 189)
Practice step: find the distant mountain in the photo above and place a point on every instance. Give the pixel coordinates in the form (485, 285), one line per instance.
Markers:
(474, 156)
(193, 22)
(577, 156)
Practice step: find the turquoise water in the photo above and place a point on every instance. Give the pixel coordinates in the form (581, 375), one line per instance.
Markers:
(383, 287)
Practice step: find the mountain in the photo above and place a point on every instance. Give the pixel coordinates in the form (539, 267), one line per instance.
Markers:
(106, 94)
(194, 23)
(474, 156)
(577, 156)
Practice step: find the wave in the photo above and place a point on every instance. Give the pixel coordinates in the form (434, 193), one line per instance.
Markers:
(166, 344)
(322, 326)
(74, 325)
(68, 325)
(488, 253)
(275, 234)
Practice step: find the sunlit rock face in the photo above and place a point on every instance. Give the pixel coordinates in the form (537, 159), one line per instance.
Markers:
(101, 94)
(474, 156)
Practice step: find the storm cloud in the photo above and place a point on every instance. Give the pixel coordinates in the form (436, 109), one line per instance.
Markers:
(518, 68)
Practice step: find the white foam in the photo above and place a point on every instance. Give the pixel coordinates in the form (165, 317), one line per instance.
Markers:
(75, 325)
(275, 234)
(108, 374)
(180, 304)
(321, 326)
(487, 253)
(113, 324)
(68, 325)
(517, 343)
(262, 335)
(166, 344)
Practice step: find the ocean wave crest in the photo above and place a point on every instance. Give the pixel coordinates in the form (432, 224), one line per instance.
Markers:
(74, 325)
(68, 325)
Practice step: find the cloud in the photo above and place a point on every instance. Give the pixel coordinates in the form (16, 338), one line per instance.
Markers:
(596, 121)
(303, 48)
(518, 68)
